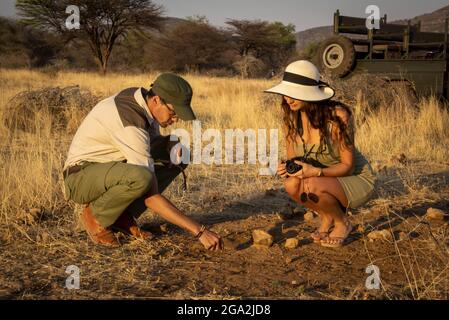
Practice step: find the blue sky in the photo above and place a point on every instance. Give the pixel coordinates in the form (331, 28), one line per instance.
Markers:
(303, 14)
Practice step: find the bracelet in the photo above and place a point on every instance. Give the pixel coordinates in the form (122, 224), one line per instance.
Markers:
(320, 173)
(200, 233)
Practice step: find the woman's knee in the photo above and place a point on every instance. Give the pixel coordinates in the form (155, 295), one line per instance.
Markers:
(318, 187)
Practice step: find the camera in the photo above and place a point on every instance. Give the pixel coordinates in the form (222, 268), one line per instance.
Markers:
(291, 167)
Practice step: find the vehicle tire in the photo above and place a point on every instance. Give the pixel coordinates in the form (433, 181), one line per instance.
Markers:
(337, 56)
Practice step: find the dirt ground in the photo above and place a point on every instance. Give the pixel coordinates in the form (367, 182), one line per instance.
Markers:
(413, 264)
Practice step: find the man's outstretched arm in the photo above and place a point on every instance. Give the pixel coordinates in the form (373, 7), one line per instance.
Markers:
(162, 206)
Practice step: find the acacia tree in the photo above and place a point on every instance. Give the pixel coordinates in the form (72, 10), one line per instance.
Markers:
(102, 22)
(192, 45)
(261, 41)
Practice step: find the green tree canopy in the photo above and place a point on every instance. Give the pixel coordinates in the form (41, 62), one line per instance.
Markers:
(102, 22)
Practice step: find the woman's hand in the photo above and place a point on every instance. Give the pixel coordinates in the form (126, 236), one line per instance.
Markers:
(307, 171)
(282, 172)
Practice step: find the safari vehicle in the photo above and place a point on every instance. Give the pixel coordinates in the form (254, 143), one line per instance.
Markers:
(395, 52)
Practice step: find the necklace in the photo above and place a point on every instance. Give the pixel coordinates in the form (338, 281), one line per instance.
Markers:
(307, 195)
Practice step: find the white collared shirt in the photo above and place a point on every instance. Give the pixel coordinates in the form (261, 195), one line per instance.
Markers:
(118, 128)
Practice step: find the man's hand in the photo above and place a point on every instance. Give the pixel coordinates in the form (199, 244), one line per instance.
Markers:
(162, 206)
(211, 241)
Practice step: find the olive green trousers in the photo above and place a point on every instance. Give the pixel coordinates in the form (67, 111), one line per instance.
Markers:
(113, 187)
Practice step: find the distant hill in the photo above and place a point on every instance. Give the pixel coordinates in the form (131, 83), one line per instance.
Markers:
(306, 37)
(430, 22)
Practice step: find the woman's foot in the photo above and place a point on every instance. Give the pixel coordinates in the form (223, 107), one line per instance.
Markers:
(337, 238)
(323, 231)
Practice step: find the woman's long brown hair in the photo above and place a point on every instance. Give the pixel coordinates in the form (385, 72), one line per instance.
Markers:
(319, 115)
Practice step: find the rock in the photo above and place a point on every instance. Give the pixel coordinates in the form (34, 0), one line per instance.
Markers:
(24, 110)
(402, 236)
(375, 235)
(262, 238)
(380, 235)
(35, 212)
(309, 216)
(164, 227)
(435, 214)
(299, 210)
(291, 243)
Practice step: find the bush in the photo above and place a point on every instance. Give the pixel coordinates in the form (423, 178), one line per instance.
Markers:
(62, 107)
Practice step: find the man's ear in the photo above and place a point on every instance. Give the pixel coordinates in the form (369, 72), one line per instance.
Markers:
(154, 100)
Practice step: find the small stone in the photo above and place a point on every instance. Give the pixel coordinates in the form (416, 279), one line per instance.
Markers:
(299, 210)
(291, 243)
(387, 234)
(35, 212)
(294, 282)
(309, 216)
(435, 214)
(375, 235)
(164, 227)
(402, 236)
(262, 238)
(380, 235)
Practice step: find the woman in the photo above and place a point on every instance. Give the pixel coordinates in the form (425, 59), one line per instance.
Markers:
(335, 176)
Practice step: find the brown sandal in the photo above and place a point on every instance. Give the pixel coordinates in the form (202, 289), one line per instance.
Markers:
(317, 236)
(337, 242)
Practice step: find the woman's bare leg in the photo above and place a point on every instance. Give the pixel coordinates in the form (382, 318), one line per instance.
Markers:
(330, 194)
(293, 188)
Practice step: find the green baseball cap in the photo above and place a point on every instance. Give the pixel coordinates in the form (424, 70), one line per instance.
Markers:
(175, 90)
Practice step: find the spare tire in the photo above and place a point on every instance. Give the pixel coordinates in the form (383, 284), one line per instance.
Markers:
(337, 56)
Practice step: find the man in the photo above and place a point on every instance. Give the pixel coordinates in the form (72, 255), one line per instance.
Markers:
(113, 162)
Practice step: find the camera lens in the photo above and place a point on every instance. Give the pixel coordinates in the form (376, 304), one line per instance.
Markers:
(291, 167)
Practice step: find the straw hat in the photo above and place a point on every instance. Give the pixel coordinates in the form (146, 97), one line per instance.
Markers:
(302, 82)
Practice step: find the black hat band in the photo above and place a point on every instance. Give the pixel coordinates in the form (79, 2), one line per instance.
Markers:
(304, 81)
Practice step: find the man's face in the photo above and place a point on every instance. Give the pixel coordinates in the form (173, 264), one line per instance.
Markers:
(164, 113)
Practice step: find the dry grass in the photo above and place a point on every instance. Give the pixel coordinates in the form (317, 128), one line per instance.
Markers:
(30, 163)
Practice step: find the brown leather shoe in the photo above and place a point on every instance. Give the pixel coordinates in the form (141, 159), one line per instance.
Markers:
(97, 233)
(126, 224)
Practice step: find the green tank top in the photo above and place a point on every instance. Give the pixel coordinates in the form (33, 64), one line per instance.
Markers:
(330, 155)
